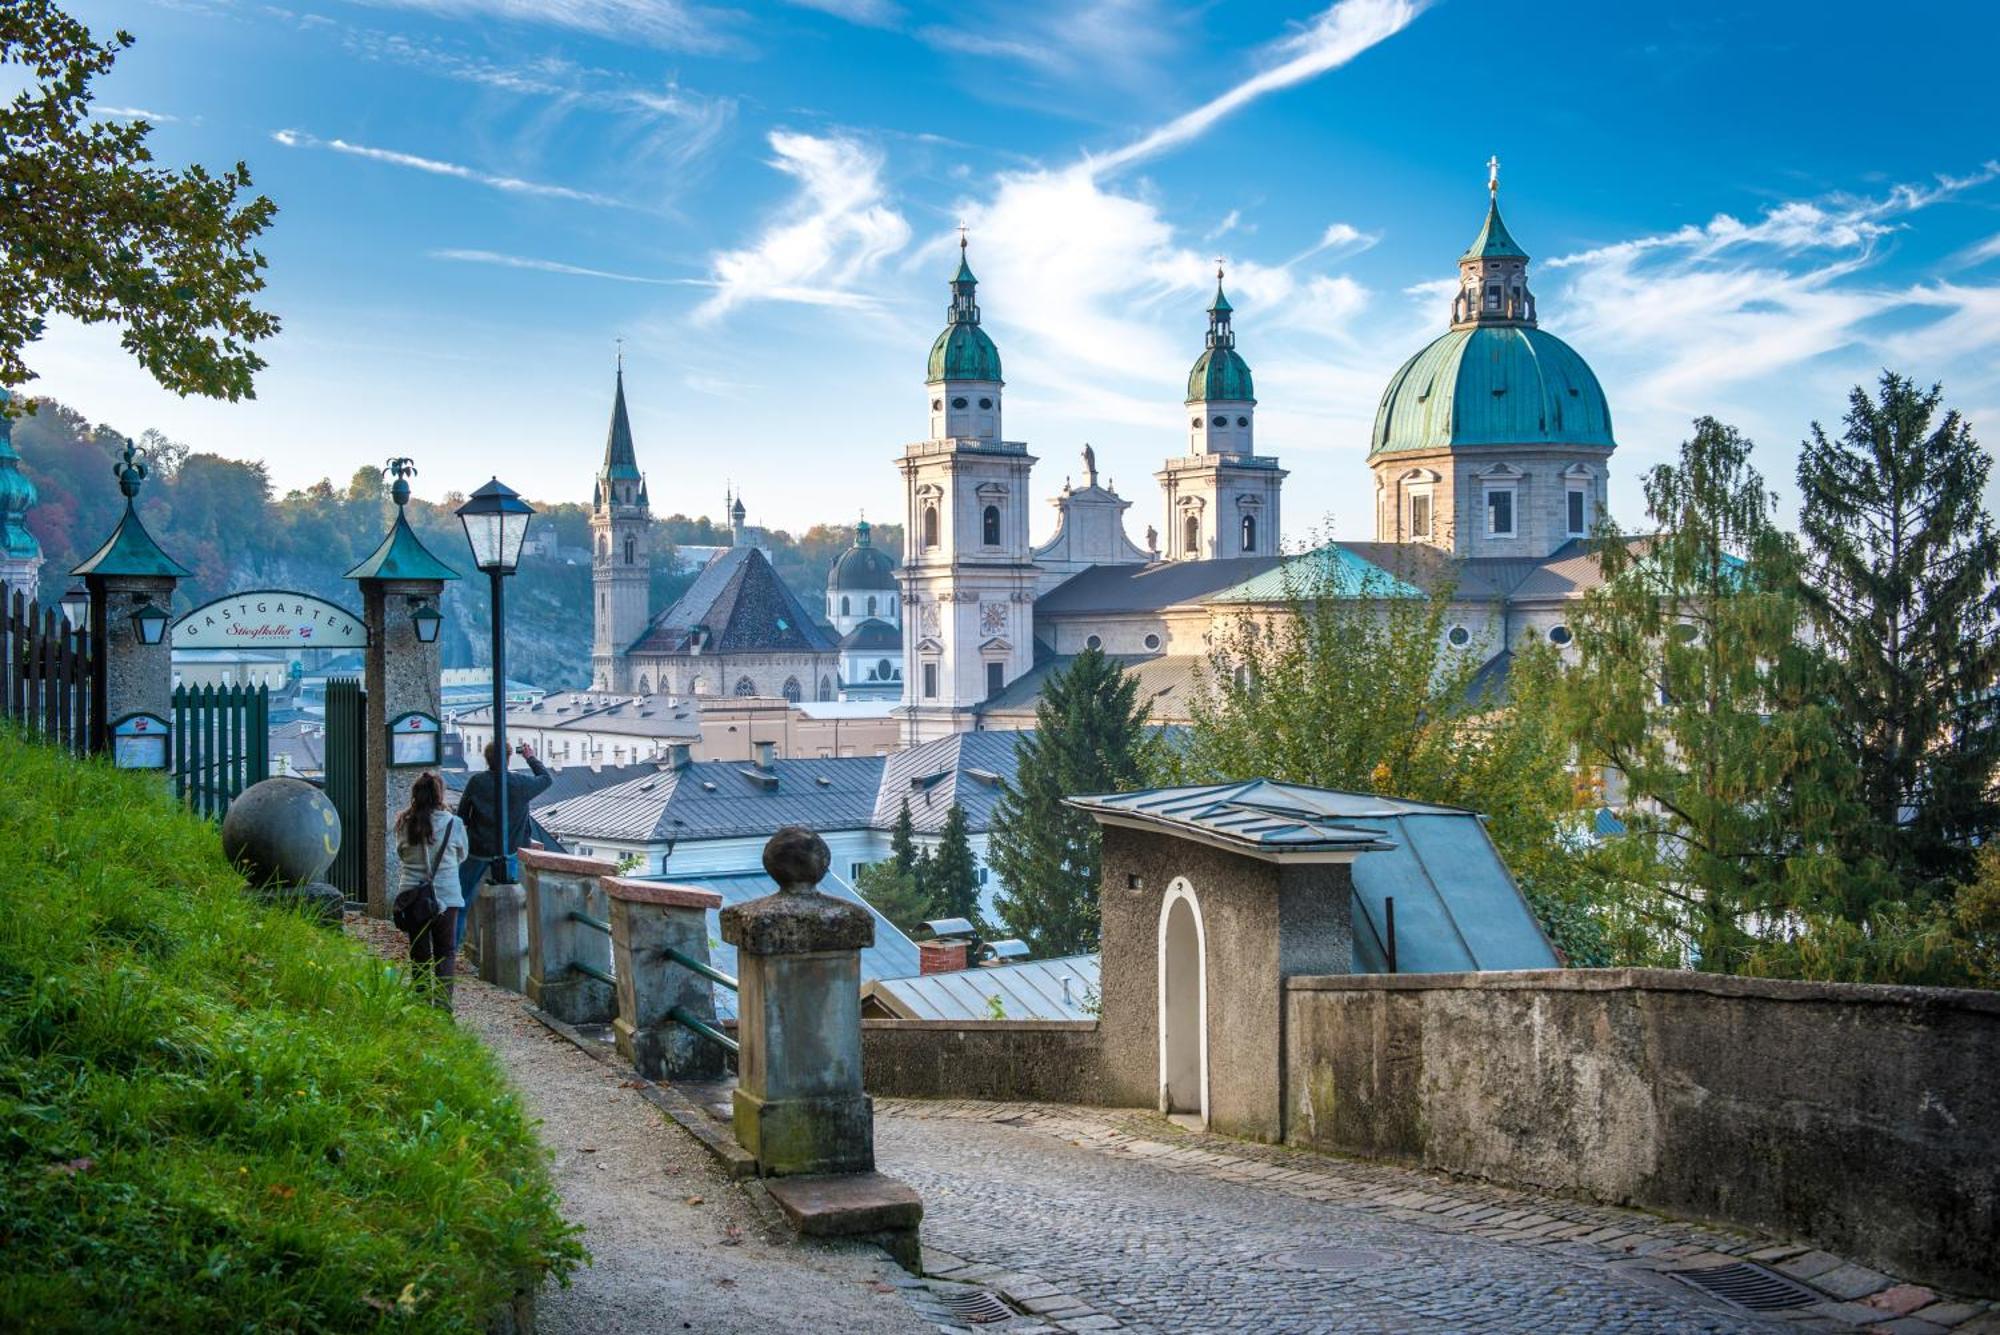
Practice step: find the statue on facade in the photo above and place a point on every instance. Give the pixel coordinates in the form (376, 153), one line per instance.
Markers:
(1089, 466)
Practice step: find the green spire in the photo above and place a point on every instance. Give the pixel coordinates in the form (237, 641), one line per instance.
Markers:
(963, 351)
(620, 463)
(1494, 242)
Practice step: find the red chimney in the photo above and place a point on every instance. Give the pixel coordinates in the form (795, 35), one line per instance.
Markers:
(940, 957)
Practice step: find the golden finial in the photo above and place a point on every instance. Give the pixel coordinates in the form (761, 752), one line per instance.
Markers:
(1493, 176)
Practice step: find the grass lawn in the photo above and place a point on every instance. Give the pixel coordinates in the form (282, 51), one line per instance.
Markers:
(215, 1115)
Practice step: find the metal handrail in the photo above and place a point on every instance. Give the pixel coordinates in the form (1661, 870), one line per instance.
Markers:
(707, 971)
(680, 1015)
(592, 971)
(596, 924)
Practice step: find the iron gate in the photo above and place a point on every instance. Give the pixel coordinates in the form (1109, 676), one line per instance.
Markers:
(346, 761)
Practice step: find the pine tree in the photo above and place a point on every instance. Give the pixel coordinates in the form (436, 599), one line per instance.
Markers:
(1089, 737)
(894, 894)
(953, 880)
(1694, 685)
(903, 841)
(1900, 587)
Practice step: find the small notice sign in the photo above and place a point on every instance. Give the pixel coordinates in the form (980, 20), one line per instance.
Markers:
(139, 741)
(414, 740)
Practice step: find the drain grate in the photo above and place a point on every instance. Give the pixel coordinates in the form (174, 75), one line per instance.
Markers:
(1334, 1258)
(977, 1306)
(1750, 1286)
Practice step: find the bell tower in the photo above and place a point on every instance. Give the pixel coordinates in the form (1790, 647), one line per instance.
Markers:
(621, 561)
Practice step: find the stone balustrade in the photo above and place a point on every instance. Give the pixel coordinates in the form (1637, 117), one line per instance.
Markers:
(569, 960)
(648, 920)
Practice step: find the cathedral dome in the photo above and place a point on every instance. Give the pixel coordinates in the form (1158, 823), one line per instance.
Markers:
(964, 352)
(862, 568)
(1497, 384)
(1220, 373)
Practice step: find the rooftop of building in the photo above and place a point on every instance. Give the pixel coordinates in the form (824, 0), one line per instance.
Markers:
(737, 604)
(1054, 989)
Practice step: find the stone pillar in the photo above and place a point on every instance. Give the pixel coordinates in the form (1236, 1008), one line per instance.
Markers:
(799, 1106)
(401, 675)
(556, 886)
(136, 678)
(648, 918)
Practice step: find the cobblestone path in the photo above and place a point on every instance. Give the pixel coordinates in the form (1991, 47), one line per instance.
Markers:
(1119, 1221)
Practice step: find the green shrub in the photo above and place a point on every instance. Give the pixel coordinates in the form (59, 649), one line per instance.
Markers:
(216, 1115)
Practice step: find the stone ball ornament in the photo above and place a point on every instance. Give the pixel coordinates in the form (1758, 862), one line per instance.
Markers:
(282, 834)
(799, 919)
(796, 858)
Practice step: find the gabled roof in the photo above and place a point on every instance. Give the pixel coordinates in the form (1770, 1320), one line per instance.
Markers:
(1032, 990)
(1148, 588)
(966, 768)
(724, 799)
(740, 605)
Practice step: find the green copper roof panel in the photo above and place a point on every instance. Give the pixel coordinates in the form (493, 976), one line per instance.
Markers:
(964, 352)
(1220, 374)
(1331, 571)
(130, 550)
(402, 555)
(1492, 385)
(1494, 242)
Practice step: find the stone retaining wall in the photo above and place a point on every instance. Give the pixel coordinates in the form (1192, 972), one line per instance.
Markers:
(1054, 1061)
(1864, 1119)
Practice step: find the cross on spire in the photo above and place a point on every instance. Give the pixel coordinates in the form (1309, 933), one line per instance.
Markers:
(620, 341)
(1493, 176)
(961, 234)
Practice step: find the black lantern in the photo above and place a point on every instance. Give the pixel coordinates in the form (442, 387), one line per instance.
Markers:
(428, 621)
(76, 607)
(150, 621)
(496, 524)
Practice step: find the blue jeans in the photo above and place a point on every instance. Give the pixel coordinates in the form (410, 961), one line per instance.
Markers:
(471, 871)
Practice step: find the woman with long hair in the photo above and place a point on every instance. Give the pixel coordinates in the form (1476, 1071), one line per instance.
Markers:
(430, 842)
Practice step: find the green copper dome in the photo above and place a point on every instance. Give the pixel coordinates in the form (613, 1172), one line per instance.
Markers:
(17, 497)
(963, 351)
(1492, 385)
(1220, 373)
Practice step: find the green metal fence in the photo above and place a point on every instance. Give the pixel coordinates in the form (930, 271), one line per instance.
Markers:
(222, 744)
(346, 756)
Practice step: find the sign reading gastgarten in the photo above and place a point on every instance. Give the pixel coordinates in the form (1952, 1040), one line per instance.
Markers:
(270, 619)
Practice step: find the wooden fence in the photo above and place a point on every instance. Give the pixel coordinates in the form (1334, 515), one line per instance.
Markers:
(45, 675)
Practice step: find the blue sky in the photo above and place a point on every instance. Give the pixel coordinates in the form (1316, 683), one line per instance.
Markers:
(1733, 209)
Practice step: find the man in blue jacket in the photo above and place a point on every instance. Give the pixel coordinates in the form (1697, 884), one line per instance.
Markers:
(479, 809)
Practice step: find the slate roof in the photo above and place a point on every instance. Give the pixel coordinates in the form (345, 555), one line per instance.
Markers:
(1148, 588)
(594, 711)
(1166, 683)
(724, 799)
(966, 768)
(1032, 990)
(871, 634)
(893, 955)
(743, 607)
(1259, 818)
(565, 781)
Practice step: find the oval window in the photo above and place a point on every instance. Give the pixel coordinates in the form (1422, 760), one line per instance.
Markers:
(958, 403)
(1683, 633)
(1459, 636)
(1152, 641)
(1559, 635)
(986, 403)
(1094, 642)
(937, 405)
(1243, 421)
(1222, 421)
(1194, 421)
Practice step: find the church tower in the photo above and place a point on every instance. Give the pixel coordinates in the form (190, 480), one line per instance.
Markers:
(968, 576)
(621, 561)
(1495, 439)
(20, 554)
(1221, 496)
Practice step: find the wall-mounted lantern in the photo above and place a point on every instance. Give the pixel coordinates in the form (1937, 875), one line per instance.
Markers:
(150, 620)
(428, 621)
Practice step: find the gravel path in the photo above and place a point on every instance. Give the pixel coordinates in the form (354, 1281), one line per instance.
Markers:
(675, 1246)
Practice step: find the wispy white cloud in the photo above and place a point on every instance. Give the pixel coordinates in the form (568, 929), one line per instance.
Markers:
(868, 13)
(510, 184)
(825, 242)
(1113, 43)
(675, 24)
(548, 266)
(133, 114)
(1981, 252)
(1336, 35)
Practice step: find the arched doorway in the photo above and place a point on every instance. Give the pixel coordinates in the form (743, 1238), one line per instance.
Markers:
(1183, 1004)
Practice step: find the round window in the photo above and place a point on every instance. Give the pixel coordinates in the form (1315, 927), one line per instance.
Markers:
(1152, 641)
(1683, 633)
(1243, 421)
(1094, 642)
(958, 403)
(937, 405)
(1459, 636)
(1222, 421)
(986, 403)
(1194, 421)
(1559, 635)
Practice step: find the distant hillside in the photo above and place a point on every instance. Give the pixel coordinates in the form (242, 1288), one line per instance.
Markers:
(219, 518)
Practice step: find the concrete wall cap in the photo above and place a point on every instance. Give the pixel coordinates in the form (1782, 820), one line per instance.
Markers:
(542, 860)
(1655, 980)
(660, 892)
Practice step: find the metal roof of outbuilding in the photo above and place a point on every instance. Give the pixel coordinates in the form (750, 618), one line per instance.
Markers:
(1032, 990)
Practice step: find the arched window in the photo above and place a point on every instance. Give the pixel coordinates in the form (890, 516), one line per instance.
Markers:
(992, 533)
(871, 604)
(792, 691)
(699, 686)
(1191, 536)
(846, 607)
(1249, 533)
(645, 685)
(631, 546)
(892, 604)
(603, 547)
(930, 526)
(745, 686)
(826, 688)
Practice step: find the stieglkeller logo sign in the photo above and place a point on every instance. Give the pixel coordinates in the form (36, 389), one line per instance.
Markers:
(270, 619)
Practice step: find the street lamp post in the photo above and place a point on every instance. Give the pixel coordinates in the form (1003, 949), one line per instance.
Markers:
(496, 526)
